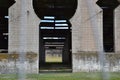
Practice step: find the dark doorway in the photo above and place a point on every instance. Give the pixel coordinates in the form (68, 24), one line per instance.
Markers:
(55, 32)
(55, 43)
(4, 6)
(3, 30)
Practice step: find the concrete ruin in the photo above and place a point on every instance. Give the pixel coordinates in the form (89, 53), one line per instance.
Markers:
(86, 36)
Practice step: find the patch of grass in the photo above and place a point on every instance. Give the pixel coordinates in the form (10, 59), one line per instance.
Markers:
(62, 76)
(8, 77)
(53, 59)
(69, 76)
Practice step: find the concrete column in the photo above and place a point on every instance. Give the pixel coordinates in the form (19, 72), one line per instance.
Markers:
(117, 29)
(32, 30)
(86, 23)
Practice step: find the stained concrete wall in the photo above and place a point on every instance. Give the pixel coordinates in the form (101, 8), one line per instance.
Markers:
(32, 27)
(30, 30)
(87, 19)
(117, 29)
(87, 30)
(9, 63)
(87, 37)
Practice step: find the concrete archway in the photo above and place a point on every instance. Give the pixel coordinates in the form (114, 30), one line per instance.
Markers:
(55, 15)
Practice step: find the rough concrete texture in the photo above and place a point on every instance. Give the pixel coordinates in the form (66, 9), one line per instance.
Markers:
(89, 62)
(87, 29)
(30, 32)
(32, 27)
(84, 23)
(117, 29)
(9, 63)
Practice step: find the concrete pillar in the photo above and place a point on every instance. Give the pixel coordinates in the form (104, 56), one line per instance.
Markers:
(32, 30)
(86, 23)
(117, 29)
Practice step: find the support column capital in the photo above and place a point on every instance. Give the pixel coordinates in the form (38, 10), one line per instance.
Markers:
(108, 3)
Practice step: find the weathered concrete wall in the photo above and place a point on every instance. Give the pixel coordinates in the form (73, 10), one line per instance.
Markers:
(87, 33)
(86, 30)
(117, 29)
(9, 63)
(31, 30)
(86, 62)
(87, 19)
(89, 62)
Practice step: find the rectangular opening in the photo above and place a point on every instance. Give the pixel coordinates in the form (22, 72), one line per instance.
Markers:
(53, 52)
(108, 30)
(55, 43)
(47, 27)
(4, 30)
(49, 17)
(61, 27)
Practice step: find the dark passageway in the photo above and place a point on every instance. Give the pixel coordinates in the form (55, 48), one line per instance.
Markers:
(55, 30)
(4, 6)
